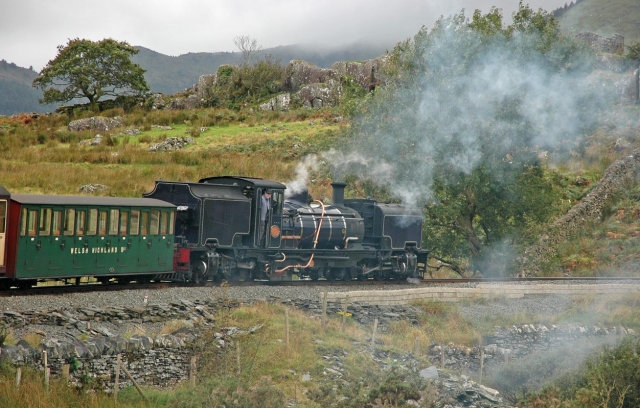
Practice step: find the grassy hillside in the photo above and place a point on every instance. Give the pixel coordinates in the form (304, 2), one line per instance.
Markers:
(605, 17)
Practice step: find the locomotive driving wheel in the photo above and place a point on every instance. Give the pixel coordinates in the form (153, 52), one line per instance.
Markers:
(199, 270)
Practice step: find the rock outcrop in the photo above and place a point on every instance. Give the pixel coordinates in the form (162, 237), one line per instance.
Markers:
(611, 45)
(99, 123)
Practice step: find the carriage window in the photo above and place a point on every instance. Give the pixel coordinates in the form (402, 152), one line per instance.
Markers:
(172, 217)
(114, 221)
(155, 221)
(144, 223)
(124, 220)
(164, 222)
(33, 222)
(3, 215)
(82, 216)
(45, 221)
(93, 222)
(69, 221)
(23, 222)
(57, 222)
(135, 222)
(102, 223)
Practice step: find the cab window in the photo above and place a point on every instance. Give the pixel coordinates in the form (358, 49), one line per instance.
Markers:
(172, 218)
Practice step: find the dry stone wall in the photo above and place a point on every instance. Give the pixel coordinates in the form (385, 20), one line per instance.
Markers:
(588, 210)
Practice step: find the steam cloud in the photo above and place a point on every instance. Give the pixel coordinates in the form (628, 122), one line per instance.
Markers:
(476, 101)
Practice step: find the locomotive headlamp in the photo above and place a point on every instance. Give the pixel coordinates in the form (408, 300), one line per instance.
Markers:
(275, 231)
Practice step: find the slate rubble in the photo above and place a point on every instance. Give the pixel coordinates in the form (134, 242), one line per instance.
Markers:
(89, 330)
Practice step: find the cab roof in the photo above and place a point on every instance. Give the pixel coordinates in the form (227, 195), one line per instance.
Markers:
(243, 181)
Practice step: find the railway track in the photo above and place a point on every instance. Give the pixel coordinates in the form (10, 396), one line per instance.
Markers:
(98, 287)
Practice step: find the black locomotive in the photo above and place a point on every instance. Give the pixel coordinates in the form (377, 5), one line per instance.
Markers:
(218, 224)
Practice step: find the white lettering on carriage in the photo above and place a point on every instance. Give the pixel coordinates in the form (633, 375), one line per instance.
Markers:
(98, 250)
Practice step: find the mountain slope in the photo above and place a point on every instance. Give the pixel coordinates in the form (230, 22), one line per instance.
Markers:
(169, 75)
(605, 17)
(16, 93)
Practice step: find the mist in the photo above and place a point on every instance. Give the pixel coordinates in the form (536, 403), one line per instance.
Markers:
(474, 100)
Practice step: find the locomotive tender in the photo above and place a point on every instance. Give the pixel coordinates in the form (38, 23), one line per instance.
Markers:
(207, 230)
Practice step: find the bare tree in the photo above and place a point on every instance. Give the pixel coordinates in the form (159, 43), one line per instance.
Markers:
(248, 46)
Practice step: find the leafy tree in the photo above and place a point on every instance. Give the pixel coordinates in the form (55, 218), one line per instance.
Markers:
(88, 69)
(468, 107)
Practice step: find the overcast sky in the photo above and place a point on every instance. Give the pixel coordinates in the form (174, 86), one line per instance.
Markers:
(31, 30)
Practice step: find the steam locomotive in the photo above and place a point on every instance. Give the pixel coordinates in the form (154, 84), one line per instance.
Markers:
(209, 230)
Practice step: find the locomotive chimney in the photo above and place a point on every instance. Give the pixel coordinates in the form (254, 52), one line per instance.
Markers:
(338, 193)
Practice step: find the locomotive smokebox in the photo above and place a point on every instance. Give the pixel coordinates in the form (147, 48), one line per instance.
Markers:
(338, 193)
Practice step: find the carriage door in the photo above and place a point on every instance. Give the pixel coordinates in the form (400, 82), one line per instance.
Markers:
(145, 243)
(3, 230)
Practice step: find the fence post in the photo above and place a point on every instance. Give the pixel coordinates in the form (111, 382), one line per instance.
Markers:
(344, 309)
(45, 359)
(481, 364)
(238, 358)
(18, 377)
(286, 324)
(65, 373)
(373, 335)
(116, 387)
(135, 384)
(192, 372)
(442, 356)
(638, 85)
(416, 347)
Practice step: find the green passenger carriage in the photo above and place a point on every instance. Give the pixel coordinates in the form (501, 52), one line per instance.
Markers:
(69, 237)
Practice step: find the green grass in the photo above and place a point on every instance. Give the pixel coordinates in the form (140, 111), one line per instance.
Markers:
(265, 145)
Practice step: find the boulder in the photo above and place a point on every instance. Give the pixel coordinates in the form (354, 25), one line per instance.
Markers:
(95, 123)
(318, 95)
(367, 74)
(298, 73)
(278, 103)
(190, 102)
